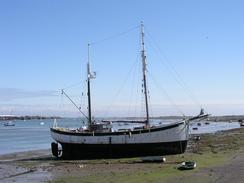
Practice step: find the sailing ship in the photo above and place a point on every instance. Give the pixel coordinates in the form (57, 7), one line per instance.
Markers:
(99, 140)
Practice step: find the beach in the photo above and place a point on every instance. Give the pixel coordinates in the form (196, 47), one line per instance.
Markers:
(219, 158)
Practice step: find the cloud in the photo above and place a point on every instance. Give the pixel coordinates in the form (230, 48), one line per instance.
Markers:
(35, 109)
(62, 107)
(11, 94)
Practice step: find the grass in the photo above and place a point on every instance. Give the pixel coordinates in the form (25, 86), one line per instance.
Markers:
(156, 172)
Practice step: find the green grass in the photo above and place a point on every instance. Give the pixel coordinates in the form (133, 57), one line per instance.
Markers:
(151, 172)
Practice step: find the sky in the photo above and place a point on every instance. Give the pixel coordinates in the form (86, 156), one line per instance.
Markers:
(194, 54)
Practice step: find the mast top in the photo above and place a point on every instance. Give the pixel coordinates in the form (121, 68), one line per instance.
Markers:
(88, 53)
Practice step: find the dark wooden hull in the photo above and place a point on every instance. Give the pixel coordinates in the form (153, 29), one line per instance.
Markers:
(91, 151)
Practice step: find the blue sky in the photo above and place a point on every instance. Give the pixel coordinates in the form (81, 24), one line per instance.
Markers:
(43, 48)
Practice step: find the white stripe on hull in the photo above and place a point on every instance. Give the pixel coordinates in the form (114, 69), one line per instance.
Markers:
(178, 133)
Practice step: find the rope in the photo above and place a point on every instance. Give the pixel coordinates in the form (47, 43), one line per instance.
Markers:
(133, 67)
(63, 92)
(121, 88)
(174, 73)
(114, 36)
(71, 86)
(166, 93)
(132, 89)
(150, 105)
(138, 93)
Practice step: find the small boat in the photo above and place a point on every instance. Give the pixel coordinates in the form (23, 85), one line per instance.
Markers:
(241, 122)
(197, 138)
(9, 123)
(187, 165)
(153, 159)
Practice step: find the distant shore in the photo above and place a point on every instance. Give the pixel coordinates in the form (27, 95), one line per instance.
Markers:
(233, 118)
(12, 117)
(219, 157)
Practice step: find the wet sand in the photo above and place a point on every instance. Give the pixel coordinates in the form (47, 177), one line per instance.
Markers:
(219, 157)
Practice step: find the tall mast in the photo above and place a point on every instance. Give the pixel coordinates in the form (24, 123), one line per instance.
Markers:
(89, 77)
(144, 70)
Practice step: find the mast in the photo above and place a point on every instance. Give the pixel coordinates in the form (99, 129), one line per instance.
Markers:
(89, 77)
(144, 70)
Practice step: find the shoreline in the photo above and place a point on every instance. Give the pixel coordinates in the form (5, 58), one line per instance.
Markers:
(219, 157)
(25, 155)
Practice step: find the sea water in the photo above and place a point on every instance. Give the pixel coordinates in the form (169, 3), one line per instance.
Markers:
(35, 134)
(30, 134)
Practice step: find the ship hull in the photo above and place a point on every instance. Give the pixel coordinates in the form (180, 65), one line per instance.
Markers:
(170, 139)
(87, 151)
